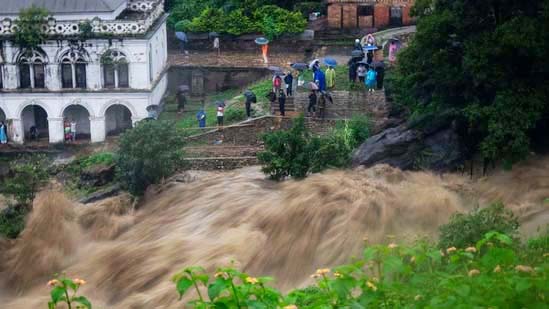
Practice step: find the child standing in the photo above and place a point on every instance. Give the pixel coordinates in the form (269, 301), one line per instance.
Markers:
(220, 114)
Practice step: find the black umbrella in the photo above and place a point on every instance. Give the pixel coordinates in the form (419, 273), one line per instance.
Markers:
(274, 69)
(279, 73)
(219, 103)
(184, 88)
(299, 66)
(248, 93)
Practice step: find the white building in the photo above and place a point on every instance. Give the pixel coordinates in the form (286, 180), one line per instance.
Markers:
(103, 67)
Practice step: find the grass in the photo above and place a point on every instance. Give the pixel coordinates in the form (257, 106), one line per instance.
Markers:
(234, 112)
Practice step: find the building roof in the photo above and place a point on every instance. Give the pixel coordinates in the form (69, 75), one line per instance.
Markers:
(12, 7)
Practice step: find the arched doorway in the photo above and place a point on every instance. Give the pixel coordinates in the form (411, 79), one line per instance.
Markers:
(118, 118)
(35, 123)
(81, 117)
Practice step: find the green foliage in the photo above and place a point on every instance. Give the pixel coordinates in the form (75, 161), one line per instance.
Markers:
(490, 274)
(12, 221)
(29, 33)
(296, 152)
(149, 152)
(306, 8)
(64, 291)
(287, 152)
(466, 229)
(100, 158)
(86, 29)
(235, 18)
(485, 66)
(27, 175)
(233, 114)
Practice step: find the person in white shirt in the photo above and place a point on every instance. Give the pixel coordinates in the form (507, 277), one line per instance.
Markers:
(220, 114)
(73, 130)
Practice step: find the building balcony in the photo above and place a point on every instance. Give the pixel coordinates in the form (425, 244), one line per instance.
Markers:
(137, 18)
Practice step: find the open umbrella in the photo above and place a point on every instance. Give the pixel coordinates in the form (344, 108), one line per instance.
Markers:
(183, 88)
(311, 86)
(357, 54)
(299, 66)
(248, 93)
(219, 103)
(182, 36)
(312, 63)
(274, 69)
(331, 62)
(370, 47)
(261, 41)
(279, 73)
(213, 34)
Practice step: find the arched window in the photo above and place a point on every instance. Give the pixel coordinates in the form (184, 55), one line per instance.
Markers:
(73, 69)
(115, 70)
(31, 69)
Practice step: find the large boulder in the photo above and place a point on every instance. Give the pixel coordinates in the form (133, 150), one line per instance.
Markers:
(410, 146)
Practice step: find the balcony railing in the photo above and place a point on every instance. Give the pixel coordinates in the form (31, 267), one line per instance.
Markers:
(151, 9)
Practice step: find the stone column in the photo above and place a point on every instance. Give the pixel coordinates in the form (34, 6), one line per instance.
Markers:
(97, 129)
(55, 126)
(16, 131)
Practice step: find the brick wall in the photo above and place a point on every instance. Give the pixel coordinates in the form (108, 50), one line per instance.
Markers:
(406, 19)
(381, 16)
(349, 16)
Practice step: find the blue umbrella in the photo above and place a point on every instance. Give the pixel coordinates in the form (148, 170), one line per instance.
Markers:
(299, 66)
(182, 36)
(330, 62)
(370, 47)
(261, 41)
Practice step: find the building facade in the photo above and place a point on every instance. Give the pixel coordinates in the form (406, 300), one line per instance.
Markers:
(103, 67)
(368, 14)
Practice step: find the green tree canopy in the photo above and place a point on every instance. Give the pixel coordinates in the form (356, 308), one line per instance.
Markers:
(29, 33)
(485, 62)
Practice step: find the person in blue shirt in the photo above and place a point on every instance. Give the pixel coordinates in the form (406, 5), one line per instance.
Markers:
(201, 117)
(320, 80)
(371, 77)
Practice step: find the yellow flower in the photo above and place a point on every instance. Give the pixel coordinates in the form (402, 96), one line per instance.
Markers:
(223, 275)
(524, 269)
(291, 307)
(371, 286)
(322, 271)
(442, 253)
(315, 276)
(251, 280)
(474, 272)
(451, 249)
(79, 281)
(497, 269)
(546, 255)
(337, 275)
(413, 259)
(53, 282)
(418, 297)
(471, 249)
(392, 246)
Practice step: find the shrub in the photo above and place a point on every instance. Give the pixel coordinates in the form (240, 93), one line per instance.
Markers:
(489, 274)
(306, 8)
(287, 152)
(234, 114)
(30, 21)
(100, 158)
(149, 152)
(12, 221)
(28, 175)
(466, 229)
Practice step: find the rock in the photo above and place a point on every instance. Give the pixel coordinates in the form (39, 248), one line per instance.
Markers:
(101, 195)
(97, 175)
(435, 147)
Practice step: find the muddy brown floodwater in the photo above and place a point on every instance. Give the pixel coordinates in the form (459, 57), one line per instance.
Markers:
(283, 230)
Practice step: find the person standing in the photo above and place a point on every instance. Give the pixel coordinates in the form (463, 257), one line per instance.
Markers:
(322, 105)
(352, 71)
(201, 117)
(183, 42)
(250, 98)
(371, 80)
(311, 109)
(320, 80)
(289, 81)
(3, 133)
(330, 77)
(73, 130)
(264, 52)
(220, 115)
(271, 96)
(369, 57)
(282, 102)
(361, 72)
(216, 46)
(277, 83)
(67, 130)
(181, 101)
(357, 46)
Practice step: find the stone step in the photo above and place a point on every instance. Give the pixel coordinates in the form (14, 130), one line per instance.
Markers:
(220, 163)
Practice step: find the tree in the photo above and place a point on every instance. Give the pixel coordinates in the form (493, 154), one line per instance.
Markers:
(485, 64)
(149, 152)
(29, 32)
(27, 175)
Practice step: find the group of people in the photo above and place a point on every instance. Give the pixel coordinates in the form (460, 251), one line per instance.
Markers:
(282, 88)
(362, 67)
(69, 127)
